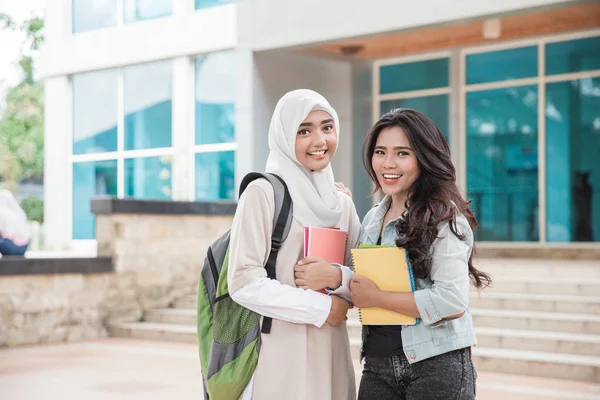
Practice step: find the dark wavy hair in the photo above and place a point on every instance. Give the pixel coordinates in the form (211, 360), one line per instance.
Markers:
(434, 194)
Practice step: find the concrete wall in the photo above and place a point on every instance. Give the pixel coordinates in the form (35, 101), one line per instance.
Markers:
(362, 116)
(186, 32)
(263, 78)
(57, 166)
(271, 24)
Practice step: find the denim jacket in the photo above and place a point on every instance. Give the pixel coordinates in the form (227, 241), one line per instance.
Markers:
(445, 292)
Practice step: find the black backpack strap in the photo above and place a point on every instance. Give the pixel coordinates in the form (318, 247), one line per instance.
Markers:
(282, 221)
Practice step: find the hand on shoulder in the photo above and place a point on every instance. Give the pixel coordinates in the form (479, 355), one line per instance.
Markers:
(342, 188)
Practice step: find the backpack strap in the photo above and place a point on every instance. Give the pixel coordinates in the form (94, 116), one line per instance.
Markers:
(282, 221)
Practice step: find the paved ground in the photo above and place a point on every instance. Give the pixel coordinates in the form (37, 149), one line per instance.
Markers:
(116, 369)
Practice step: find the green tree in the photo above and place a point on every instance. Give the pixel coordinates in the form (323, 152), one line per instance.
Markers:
(22, 119)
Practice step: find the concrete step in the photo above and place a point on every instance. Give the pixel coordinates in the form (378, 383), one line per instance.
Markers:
(543, 341)
(188, 302)
(525, 362)
(503, 335)
(543, 267)
(154, 331)
(535, 320)
(515, 361)
(180, 333)
(516, 319)
(569, 287)
(180, 316)
(354, 328)
(355, 345)
(534, 363)
(536, 302)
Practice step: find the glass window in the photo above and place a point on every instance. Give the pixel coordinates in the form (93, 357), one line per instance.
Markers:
(573, 56)
(215, 176)
(90, 179)
(215, 98)
(148, 93)
(502, 65)
(141, 10)
(572, 167)
(435, 107)
(95, 112)
(148, 177)
(211, 3)
(93, 14)
(502, 169)
(418, 75)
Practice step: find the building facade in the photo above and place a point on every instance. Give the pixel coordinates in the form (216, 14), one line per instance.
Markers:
(171, 99)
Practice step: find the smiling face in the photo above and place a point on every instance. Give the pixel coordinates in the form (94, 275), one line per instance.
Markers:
(316, 141)
(394, 162)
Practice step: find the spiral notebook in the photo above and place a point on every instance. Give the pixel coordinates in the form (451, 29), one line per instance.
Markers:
(389, 268)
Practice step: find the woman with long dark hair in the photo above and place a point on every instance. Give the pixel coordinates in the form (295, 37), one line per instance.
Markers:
(423, 212)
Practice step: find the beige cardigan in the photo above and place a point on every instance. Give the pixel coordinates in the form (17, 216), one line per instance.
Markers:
(297, 361)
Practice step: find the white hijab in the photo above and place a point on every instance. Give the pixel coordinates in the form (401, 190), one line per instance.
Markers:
(316, 202)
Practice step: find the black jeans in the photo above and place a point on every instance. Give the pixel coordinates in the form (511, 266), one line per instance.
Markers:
(448, 376)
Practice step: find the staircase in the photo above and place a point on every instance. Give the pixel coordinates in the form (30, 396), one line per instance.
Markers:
(540, 318)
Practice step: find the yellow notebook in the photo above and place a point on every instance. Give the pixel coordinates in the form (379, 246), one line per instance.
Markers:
(389, 268)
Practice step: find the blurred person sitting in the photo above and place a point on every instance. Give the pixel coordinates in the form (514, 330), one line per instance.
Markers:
(14, 228)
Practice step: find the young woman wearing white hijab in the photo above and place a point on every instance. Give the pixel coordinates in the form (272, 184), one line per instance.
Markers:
(307, 353)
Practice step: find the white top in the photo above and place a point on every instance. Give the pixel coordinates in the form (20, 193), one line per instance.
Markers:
(301, 344)
(13, 221)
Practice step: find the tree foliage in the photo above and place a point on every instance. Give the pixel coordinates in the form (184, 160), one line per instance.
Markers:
(22, 118)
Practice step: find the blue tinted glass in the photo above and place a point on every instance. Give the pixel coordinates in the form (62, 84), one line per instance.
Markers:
(211, 3)
(148, 93)
(435, 107)
(148, 177)
(418, 75)
(215, 98)
(573, 56)
(502, 169)
(215, 176)
(94, 14)
(502, 65)
(90, 179)
(95, 112)
(140, 10)
(572, 167)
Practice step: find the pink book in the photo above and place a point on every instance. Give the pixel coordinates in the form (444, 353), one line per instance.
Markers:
(327, 243)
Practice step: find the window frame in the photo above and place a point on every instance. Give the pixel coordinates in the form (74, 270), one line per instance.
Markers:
(458, 90)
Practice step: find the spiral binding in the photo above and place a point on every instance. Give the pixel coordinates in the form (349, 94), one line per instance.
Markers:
(410, 271)
(352, 267)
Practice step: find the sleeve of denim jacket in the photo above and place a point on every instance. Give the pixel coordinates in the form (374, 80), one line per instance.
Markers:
(344, 290)
(449, 294)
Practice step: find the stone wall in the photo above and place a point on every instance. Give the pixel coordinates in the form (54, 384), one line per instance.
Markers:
(150, 254)
(40, 304)
(156, 258)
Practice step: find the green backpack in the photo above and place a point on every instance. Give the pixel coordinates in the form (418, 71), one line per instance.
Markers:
(228, 333)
